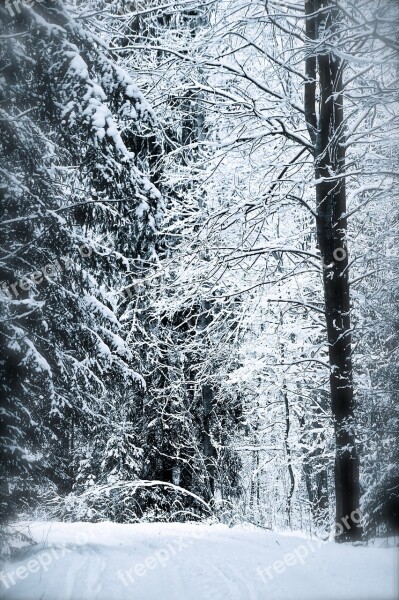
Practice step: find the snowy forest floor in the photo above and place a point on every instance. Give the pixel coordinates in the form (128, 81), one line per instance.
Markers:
(106, 561)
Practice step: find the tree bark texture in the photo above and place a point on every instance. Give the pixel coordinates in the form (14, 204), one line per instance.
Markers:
(325, 122)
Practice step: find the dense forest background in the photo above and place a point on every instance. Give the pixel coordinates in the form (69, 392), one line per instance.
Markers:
(199, 261)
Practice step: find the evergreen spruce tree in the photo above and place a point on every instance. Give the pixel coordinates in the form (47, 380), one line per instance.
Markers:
(77, 215)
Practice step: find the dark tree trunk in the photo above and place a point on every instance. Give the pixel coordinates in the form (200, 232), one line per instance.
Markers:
(326, 129)
(207, 407)
(209, 451)
(314, 464)
(317, 488)
(288, 453)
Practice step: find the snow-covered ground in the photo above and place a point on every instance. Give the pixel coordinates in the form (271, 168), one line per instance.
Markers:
(107, 561)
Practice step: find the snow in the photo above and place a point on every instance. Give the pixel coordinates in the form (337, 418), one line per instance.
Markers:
(102, 122)
(134, 95)
(142, 209)
(119, 344)
(41, 364)
(99, 307)
(78, 66)
(86, 561)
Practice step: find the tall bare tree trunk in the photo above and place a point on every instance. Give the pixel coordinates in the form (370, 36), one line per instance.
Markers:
(207, 407)
(326, 129)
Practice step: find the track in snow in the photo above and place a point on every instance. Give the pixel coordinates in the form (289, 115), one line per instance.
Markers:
(106, 561)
